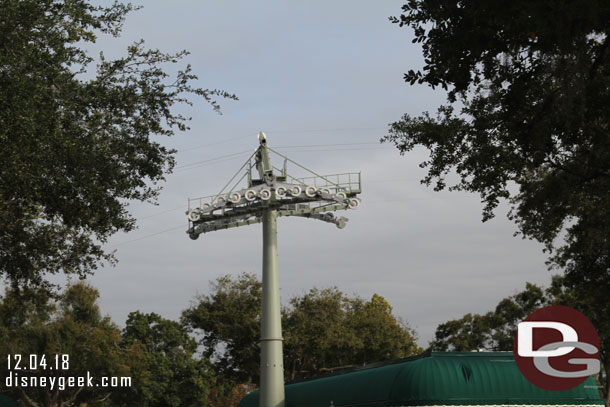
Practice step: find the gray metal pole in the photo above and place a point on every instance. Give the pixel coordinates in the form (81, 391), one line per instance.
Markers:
(272, 362)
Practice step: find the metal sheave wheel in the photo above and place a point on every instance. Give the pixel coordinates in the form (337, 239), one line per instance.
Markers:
(295, 190)
(219, 200)
(353, 203)
(194, 215)
(264, 194)
(235, 197)
(204, 207)
(280, 192)
(340, 195)
(324, 191)
(310, 191)
(250, 195)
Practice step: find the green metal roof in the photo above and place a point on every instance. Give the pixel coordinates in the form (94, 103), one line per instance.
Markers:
(436, 378)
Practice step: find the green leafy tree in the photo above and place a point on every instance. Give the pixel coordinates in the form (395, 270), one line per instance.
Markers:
(71, 325)
(381, 335)
(323, 330)
(526, 119)
(227, 394)
(471, 332)
(76, 141)
(316, 333)
(597, 310)
(157, 354)
(164, 370)
(228, 323)
(494, 330)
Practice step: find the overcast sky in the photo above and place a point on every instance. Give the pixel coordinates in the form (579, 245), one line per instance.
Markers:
(309, 74)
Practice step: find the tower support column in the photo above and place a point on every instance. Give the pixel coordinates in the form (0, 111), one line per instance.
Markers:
(272, 363)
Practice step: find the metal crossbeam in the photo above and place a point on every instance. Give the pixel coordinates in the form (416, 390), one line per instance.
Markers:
(228, 222)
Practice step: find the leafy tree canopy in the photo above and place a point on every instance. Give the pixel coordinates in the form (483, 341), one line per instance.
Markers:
(326, 330)
(164, 370)
(156, 354)
(526, 118)
(494, 330)
(323, 329)
(228, 323)
(76, 143)
(71, 325)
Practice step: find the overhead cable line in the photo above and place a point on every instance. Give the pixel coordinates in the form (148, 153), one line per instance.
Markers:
(339, 149)
(180, 150)
(319, 130)
(146, 236)
(327, 145)
(216, 160)
(211, 159)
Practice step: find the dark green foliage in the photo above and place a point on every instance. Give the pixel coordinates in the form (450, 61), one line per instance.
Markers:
(157, 354)
(316, 334)
(76, 142)
(228, 322)
(526, 119)
(323, 330)
(164, 370)
(72, 325)
(494, 330)
(597, 310)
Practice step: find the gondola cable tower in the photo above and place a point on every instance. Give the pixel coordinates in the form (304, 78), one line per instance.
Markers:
(263, 200)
